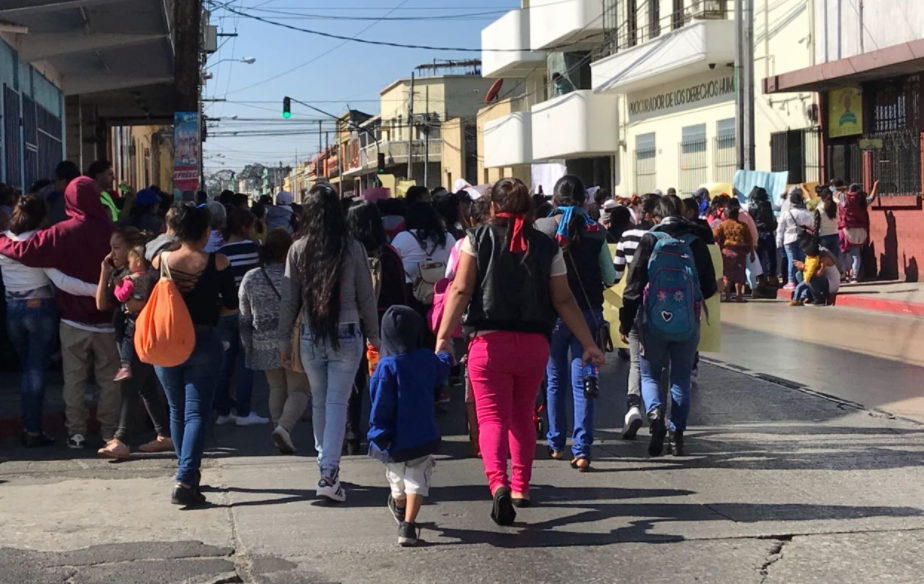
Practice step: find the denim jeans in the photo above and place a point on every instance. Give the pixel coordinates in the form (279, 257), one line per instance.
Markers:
(680, 355)
(127, 344)
(793, 252)
(766, 252)
(856, 256)
(33, 329)
(833, 244)
(190, 390)
(564, 376)
(330, 375)
(230, 333)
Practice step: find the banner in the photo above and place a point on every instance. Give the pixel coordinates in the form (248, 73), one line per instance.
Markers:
(845, 112)
(185, 152)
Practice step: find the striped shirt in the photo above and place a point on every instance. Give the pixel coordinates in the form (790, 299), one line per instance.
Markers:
(625, 250)
(243, 255)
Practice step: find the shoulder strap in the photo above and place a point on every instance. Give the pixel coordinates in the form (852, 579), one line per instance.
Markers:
(583, 290)
(270, 282)
(423, 246)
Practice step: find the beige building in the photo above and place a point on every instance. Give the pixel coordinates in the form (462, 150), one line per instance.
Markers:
(446, 107)
(143, 156)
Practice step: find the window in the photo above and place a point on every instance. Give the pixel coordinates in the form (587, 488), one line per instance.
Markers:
(796, 152)
(693, 158)
(632, 22)
(645, 156)
(677, 15)
(725, 156)
(654, 18)
(895, 120)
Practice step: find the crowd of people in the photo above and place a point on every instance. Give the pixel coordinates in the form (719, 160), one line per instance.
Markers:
(333, 300)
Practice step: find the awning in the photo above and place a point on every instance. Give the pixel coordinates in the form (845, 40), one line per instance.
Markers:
(895, 61)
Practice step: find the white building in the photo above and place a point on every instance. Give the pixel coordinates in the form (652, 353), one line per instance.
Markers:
(654, 99)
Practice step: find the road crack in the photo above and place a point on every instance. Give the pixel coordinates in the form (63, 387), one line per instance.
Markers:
(774, 555)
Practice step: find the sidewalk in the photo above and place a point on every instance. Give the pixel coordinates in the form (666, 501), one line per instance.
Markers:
(895, 297)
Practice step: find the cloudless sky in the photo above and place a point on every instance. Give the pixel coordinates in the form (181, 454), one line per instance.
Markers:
(353, 73)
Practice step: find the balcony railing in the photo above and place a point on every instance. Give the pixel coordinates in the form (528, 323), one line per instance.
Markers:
(396, 152)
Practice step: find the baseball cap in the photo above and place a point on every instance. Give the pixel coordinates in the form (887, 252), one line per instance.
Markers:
(283, 198)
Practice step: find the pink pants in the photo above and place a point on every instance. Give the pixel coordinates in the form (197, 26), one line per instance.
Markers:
(506, 370)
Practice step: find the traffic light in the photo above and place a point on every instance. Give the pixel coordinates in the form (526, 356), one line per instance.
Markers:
(287, 107)
(381, 161)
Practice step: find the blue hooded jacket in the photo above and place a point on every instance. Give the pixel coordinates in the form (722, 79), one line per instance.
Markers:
(402, 422)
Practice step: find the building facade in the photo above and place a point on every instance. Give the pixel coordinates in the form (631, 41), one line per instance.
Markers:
(867, 71)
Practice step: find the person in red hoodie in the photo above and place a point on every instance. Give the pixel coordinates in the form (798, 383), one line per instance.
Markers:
(77, 247)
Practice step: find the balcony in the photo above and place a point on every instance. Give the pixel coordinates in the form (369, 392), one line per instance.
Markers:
(396, 153)
(504, 35)
(579, 124)
(573, 23)
(694, 49)
(508, 140)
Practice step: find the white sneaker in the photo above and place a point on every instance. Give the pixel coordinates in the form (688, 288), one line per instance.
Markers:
(225, 420)
(632, 423)
(331, 490)
(251, 419)
(283, 440)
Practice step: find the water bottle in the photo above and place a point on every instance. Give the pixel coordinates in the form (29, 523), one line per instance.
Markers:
(591, 381)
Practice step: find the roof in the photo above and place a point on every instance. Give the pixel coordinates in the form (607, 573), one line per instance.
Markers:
(427, 79)
(902, 59)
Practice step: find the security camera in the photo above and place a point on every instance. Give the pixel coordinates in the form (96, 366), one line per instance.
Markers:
(712, 65)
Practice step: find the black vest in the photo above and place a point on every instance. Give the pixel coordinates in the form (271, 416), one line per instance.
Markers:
(585, 281)
(511, 290)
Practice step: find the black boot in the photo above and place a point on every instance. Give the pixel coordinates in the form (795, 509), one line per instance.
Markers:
(675, 443)
(658, 432)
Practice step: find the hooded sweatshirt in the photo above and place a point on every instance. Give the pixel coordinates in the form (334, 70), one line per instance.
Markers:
(402, 422)
(279, 216)
(75, 246)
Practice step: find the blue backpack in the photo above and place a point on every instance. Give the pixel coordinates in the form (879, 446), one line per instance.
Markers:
(673, 298)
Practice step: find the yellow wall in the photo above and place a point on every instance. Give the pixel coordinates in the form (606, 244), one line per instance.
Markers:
(453, 159)
(450, 97)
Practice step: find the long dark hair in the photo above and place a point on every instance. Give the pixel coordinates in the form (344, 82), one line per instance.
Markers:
(733, 209)
(510, 195)
(327, 239)
(365, 223)
(28, 214)
(569, 192)
(828, 203)
(423, 218)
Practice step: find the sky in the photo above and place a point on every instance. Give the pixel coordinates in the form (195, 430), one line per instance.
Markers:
(294, 63)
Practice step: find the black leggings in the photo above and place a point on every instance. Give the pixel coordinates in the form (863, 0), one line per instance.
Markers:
(143, 384)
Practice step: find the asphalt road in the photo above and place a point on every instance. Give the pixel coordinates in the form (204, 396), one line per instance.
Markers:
(780, 486)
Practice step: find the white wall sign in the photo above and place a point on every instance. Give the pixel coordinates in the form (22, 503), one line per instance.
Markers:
(693, 94)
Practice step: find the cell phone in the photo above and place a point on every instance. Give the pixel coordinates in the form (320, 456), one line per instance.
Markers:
(110, 261)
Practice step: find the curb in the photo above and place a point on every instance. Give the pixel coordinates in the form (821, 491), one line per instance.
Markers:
(859, 301)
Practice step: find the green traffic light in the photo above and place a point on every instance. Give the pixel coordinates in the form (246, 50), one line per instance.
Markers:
(287, 115)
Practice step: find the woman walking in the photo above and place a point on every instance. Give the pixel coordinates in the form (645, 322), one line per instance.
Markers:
(590, 272)
(792, 218)
(512, 285)
(243, 253)
(207, 285)
(365, 224)
(260, 295)
(736, 241)
(142, 382)
(327, 281)
(31, 316)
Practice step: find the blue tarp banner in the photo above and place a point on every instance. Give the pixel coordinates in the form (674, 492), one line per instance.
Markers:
(773, 182)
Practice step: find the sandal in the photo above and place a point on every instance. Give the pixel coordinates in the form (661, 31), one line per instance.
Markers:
(581, 463)
(555, 454)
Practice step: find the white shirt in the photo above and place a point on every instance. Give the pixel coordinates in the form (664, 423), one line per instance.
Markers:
(25, 282)
(788, 229)
(412, 254)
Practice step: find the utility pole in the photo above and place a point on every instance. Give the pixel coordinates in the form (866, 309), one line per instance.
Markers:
(410, 129)
(427, 139)
(744, 83)
(340, 158)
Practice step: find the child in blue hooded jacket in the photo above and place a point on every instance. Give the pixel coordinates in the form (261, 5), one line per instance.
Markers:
(402, 423)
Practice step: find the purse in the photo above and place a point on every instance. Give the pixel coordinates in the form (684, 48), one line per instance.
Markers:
(296, 363)
(603, 338)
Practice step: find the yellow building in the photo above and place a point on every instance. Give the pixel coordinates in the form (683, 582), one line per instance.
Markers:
(142, 156)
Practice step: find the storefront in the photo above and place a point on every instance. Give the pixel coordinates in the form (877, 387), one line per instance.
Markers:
(872, 130)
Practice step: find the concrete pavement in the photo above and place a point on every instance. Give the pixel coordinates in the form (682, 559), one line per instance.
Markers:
(780, 486)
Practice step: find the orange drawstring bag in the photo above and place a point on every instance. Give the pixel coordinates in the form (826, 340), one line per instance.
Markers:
(164, 333)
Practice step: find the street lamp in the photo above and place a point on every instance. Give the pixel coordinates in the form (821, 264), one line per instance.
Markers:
(245, 60)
